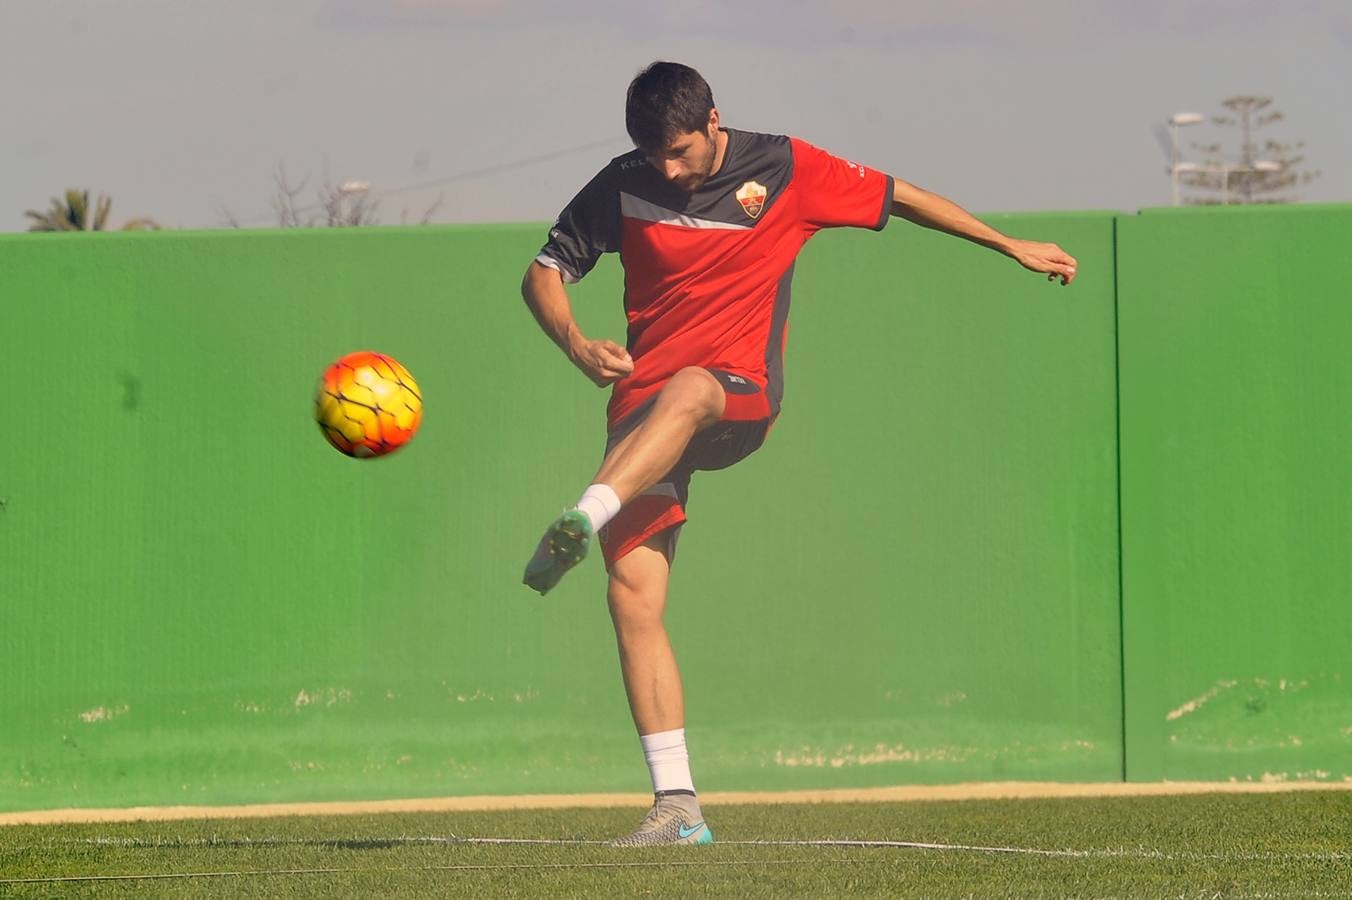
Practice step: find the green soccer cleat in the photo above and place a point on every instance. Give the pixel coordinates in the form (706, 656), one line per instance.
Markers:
(674, 819)
(563, 546)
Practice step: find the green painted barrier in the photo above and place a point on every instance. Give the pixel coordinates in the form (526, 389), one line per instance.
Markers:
(1236, 515)
(915, 580)
(933, 525)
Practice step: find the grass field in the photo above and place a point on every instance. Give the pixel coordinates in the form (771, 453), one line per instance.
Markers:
(1211, 845)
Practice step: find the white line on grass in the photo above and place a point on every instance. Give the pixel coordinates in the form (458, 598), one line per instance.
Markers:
(455, 840)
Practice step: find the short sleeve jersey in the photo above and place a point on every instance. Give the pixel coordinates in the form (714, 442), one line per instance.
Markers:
(706, 274)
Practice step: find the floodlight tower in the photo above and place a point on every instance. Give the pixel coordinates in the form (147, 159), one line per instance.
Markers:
(1176, 121)
(1225, 170)
(347, 189)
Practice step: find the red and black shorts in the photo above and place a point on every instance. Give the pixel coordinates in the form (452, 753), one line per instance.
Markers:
(741, 430)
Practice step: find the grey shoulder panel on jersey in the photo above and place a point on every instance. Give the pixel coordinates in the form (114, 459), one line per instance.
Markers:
(758, 165)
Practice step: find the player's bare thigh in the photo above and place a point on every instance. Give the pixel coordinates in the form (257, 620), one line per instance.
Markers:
(692, 393)
(690, 402)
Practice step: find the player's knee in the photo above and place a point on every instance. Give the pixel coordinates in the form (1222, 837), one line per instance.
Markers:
(696, 393)
(634, 602)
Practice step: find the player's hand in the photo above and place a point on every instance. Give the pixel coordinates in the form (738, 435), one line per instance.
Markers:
(604, 362)
(1047, 258)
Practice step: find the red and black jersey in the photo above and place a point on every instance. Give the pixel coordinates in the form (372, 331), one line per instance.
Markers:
(706, 275)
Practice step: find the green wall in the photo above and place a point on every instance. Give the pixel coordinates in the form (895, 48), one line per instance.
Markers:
(205, 603)
(917, 579)
(1236, 512)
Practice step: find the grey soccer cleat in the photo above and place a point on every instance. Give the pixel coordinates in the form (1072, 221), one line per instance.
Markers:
(674, 819)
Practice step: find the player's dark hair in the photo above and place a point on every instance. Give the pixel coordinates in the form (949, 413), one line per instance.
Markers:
(664, 100)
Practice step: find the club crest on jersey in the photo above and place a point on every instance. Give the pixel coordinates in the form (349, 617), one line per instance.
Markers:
(752, 197)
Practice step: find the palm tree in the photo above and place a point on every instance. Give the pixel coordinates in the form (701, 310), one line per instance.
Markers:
(72, 214)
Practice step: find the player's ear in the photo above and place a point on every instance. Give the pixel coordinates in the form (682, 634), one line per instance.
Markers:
(713, 122)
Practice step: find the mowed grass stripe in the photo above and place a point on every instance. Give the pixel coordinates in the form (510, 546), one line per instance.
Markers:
(244, 873)
(1276, 845)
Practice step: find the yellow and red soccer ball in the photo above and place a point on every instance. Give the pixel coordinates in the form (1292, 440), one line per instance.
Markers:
(368, 404)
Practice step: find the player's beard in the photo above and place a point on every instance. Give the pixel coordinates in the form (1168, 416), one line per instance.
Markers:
(695, 180)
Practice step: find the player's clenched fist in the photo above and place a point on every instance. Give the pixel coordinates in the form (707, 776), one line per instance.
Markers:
(603, 361)
(1047, 258)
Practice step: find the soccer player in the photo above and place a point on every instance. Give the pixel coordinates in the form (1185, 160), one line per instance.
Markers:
(707, 221)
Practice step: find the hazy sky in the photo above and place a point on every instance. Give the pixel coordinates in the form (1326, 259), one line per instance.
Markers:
(183, 109)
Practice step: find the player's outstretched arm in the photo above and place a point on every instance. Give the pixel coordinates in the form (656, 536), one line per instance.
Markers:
(603, 361)
(932, 211)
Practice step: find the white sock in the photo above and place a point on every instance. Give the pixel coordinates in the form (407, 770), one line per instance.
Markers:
(668, 761)
(600, 504)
